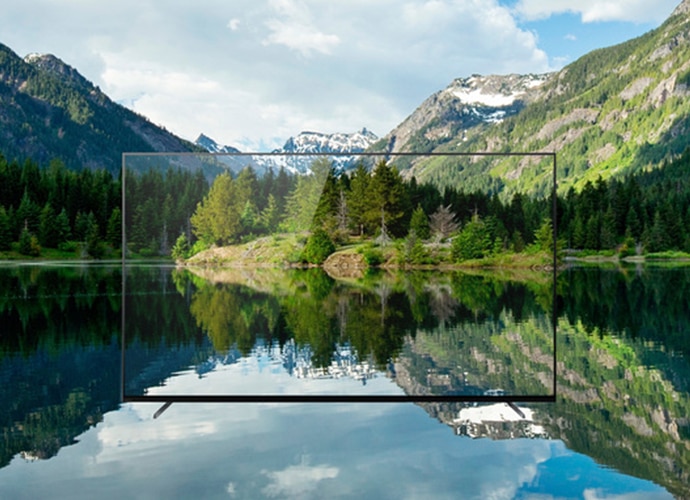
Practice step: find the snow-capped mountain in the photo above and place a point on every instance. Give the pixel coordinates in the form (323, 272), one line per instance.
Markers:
(494, 91)
(466, 103)
(212, 146)
(344, 145)
(315, 142)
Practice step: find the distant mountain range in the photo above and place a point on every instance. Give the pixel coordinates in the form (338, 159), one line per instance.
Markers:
(304, 143)
(614, 111)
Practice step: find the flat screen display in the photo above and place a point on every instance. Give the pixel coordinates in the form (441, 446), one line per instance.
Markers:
(337, 277)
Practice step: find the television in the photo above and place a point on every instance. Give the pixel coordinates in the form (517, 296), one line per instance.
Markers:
(338, 277)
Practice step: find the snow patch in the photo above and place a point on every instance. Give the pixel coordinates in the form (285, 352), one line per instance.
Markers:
(477, 96)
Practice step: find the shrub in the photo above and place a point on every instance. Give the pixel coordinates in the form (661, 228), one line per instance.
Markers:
(319, 246)
(372, 256)
(28, 244)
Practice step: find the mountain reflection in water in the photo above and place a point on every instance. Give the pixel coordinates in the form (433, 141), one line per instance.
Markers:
(447, 334)
(623, 374)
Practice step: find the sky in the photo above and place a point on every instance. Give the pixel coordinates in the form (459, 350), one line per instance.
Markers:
(252, 73)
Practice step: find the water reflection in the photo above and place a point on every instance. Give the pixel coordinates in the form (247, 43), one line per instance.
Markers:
(623, 377)
(448, 334)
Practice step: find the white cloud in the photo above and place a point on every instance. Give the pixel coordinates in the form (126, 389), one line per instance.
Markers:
(302, 38)
(296, 481)
(638, 11)
(296, 30)
(570, 37)
(600, 494)
(234, 24)
(254, 72)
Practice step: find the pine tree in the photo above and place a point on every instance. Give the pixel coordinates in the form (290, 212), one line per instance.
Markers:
(357, 198)
(113, 234)
(473, 241)
(48, 230)
(657, 240)
(64, 232)
(270, 216)
(389, 198)
(419, 223)
(5, 230)
(607, 235)
(28, 243)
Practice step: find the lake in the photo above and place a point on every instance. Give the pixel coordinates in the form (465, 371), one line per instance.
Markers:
(619, 426)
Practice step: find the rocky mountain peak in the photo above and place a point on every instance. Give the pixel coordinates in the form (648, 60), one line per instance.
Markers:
(495, 90)
(683, 8)
(464, 104)
(57, 67)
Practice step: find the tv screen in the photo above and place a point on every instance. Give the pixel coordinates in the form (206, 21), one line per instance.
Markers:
(266, 277)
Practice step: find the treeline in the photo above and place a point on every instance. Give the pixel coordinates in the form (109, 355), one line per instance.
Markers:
(648, 212)
(175, 212)
(55, 207)
(375, 204)
(80, 212)
(643, 213)
(159, 205)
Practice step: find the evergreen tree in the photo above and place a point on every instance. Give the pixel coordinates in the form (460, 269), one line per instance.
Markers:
(270, 216)
(113, 235)
(48, 235)
(64, 233)
(473, 241)
(357, 198)
(305, 198)
(388, 199)
(28, 243)
(419, 223)
(27, 215)
(592, 232)
(607, 236)
(657, 239)
(327, 207)
(633, 225)
(319, 246)
(5, 230)
(249, 218)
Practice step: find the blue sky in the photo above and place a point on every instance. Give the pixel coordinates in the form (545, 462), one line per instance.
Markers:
(251, 73)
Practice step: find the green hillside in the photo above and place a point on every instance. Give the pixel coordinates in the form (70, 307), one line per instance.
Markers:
(49, 111)
(614, 111)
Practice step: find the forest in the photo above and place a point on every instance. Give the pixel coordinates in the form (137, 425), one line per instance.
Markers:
(175, 212)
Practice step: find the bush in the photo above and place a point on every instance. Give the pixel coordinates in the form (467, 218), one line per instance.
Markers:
(28, 244)
(627, 249)
(372, 256)
(181, 248)
(412, 251)
(198, 246)
(473, 242)
(319, 246)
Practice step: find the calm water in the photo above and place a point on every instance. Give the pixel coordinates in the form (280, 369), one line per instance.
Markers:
(619, 428)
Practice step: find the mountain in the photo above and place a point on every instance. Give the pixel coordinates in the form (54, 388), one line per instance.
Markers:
(212, 146)
(302, 145)
(48, 110)
(614, 111)
(464, 104)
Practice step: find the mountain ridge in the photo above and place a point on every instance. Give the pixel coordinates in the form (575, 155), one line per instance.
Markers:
(48, 111)
(304, 143)
(614, 111)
